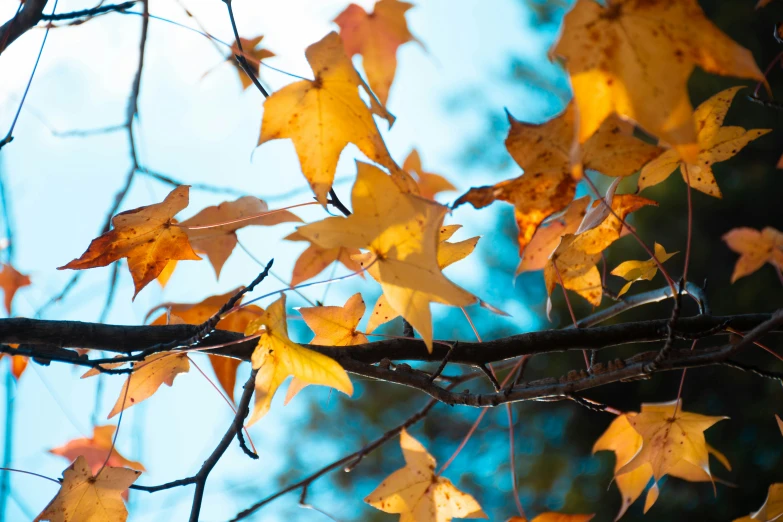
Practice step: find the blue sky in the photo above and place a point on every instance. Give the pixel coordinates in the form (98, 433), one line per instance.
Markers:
(204, 129)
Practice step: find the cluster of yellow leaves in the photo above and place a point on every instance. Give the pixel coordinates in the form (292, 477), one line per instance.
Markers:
(755, 248)
(573, 263)
(416, 493)
(276, 357)
(661, 440)
(85, 497)
(633, 58)
(401, 232)
(716, 143)
(376, 36)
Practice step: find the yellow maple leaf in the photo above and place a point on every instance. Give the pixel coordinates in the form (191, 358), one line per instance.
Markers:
(554, 517)
(448, 254)
(87, 498)
(146, 236)
(756, 248)
(218, 242)
(147, 376)
(716, 143)
(771, 510)
(612, 150)
(322, 116)
(633, 271)
(634, 58)
(672, 439)
(429, 184)
(336, 325)
(417, 494)
(276, 357)
(315, 259)
(621, 438)
(576, 256)
(376, 36)
(400, 231)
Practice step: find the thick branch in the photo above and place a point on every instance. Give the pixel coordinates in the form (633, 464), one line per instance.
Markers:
(26, 18)
(127, 339)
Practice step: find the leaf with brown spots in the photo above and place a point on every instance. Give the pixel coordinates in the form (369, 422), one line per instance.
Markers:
(315, 259)
(376, 36)
(417, 494)
(429, 184)
(218, 242)
(197, 313)
(547, 237)
(574, 260)
(756, 249)
(322, 116)
(612, 150)
(716, 143)
(400, 231)
(147, 236)
(87, 498)
(634, 58)
(11, 281)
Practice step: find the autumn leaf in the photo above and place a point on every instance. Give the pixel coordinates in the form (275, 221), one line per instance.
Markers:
(633, 271)
(574, 260)
(146, 236)
(554, 517)
(416, 493)
(535, 196)
(322, 116)
(315, 259)
(95, 450)
(716, 143)
(621, 438)
(253, 53)
(197, 313)
(165, 275)
(11, 281)
(147, 376)
(755, 248)
(634, 58)
(448, 254)
(429, 184)
(376, 36)
(401, 233)
(87, 498)
(276, 357)
(672, 440)
(612, 150)
(547, 237)
(771, 510)
(17, 363)
(218, 242)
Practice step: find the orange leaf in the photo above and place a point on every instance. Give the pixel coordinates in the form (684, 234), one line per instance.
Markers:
(416, 493)
(429, 184)
(148, 375)
(146, 236)
(315, 259)
(401, 232)
(253, 53)
(218, 242)
(547, 237)
(10, 282)
(302, 110)
(87, 498)
(756, 248)
(634, 59)
(95, 450)
(196, 313)
(376, 36)
(554, 517)
(336, 325)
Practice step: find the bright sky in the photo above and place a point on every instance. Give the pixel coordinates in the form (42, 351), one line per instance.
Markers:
(201, 128)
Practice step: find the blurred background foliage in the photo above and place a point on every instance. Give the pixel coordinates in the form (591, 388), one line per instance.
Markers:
(553, 441)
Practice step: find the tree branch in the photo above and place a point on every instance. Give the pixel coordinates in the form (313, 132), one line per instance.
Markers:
(25, 19)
